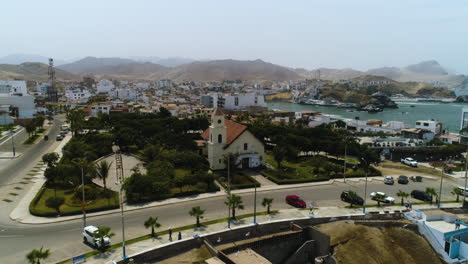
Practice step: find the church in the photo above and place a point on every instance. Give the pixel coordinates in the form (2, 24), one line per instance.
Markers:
(224, 136)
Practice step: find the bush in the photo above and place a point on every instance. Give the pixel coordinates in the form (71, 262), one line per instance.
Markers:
(292, 181)
(55, 202)
(91, 193)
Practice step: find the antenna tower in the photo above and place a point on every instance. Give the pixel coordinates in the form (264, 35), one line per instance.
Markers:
(52, 91)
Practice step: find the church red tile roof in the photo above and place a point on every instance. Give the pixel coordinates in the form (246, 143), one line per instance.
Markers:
(234, 130)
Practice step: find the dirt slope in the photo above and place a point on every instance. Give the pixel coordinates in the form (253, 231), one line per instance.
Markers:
(357, 244)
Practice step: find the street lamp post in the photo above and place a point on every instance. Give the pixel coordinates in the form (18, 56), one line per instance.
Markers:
(229, 190)
(441, 181)
(365, 186)
(83, 201)
(13, 142)
(345, 154)
(255, 203)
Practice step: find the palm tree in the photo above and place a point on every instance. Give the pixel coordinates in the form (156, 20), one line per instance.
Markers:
(153, 223)
(103, 169)
(457, 192)
(234, 202)
(379, 197)
(279, 152)
(35, 256)
(353, 197)
(267, 203)
(103, 232)
(402, 195)
(198, 213)
(432, 192)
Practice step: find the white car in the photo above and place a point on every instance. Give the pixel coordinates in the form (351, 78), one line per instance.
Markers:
(386, 199)
(89, 233)
(389, 180)
(410, 162)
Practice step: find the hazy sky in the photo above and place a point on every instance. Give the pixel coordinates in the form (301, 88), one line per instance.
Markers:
(347, 33)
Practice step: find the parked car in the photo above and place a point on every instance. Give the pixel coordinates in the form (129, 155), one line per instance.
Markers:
(46, 137)
(59, 138)
(295, 201)
(386, 199)
(410, 162)
(345, 198)
(421, 195)
(402, 179)
(89, 233)
(389, 180)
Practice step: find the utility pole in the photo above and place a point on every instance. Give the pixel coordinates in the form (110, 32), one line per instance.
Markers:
(120, 178)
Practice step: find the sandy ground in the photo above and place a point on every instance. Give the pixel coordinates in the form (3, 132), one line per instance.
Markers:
(356, 244)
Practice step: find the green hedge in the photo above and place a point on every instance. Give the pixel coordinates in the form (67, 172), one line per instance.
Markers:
(252, 183)
(292, 181)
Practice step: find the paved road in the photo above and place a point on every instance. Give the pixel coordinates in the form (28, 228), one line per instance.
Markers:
(64, 239)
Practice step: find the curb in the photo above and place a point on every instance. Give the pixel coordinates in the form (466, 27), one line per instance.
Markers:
(215, 195)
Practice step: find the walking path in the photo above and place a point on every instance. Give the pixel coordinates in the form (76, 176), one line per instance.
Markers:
(21, 211)
(135, 248)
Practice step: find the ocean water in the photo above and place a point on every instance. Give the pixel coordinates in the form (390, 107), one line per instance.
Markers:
(448, 114)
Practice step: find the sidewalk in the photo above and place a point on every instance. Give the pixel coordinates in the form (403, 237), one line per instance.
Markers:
(21, 212)
(132, 249)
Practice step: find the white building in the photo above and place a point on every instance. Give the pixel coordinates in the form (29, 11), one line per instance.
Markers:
(233, 101)
(104, 86)
(5, 118)
(77, 94)
(431, 125)
(164, 83)
(124, 94)
(100, 108)
(13, 87)
(15, 94)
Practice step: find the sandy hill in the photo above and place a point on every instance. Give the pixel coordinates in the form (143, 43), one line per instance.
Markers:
(426, 71)
(362, 244)
(32, 71)
(232, 70)
(93, 64)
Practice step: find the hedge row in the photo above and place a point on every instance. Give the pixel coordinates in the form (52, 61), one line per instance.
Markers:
(291, 181)
(372, 172)
(243, 185)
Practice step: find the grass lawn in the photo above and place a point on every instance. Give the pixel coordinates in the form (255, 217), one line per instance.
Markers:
(7, 200)
(72, 205)
(291, 170)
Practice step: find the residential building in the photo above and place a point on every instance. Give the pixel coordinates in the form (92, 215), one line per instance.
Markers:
(105, 86)
(418, 133)
(233, 101)
(164, 83)
(8, 87)
(100, 108)
(14, 94)
(225, 136)
(431, 125)
(77, 94)
(447, 234)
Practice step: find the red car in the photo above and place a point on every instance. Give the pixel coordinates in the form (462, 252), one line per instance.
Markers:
(295, 201)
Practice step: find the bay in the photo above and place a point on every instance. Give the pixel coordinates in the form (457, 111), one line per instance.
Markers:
(448, 114)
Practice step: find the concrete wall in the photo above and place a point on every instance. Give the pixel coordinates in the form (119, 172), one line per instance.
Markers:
(322, 241)
(276, 249)
(238, 234)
